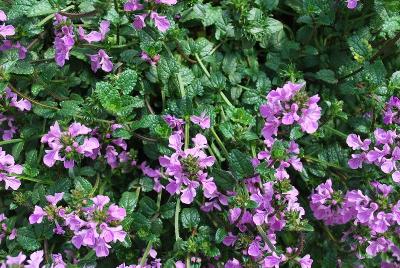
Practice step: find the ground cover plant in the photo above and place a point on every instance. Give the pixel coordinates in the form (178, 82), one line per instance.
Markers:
(196, 133)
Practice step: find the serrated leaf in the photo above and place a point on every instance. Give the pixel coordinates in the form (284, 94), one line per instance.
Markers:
(190, 218)
(240, 165)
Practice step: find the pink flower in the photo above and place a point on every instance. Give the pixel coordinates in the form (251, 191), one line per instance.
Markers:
(6, 30)
(306, 261)
(17, 260)
(3, 16)
(37, 216)
(203, 121)
(138, 22)
(234, 263)
(95, 36)
(161, 22)
(54, 199)
(166, 2)
(101, 60)
(132, 5)
(352, 4)
(35, 259)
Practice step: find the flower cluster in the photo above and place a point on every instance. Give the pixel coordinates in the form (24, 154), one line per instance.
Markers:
(160, 22)
(96, 226)
(280, 155)
(391, 112)
(186, 168)
(8, 128)
(115, 149)
(5, 30)
(69, 146)
(385, 153)
(377, 218)
(65, 40)
(8, 169)
(289, 105)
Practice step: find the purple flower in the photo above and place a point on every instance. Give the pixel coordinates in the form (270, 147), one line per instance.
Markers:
(234, 263)
(354, 141)
(272, 261)
(35, 259)
(63, 42)
(152, 60)
(101, 60)
(95, 36)
(377, 246)
(54, 199)
(138, 22)
(3, 16)
(203, 121)
(37, 216)
(7, 170)
(351, 4)
(132, 5)
(8, 44)
(17, 260)
(166, 2)
(306, 261)
(161, 22)
(58, 261)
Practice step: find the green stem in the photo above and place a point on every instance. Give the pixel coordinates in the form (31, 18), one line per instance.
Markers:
(202, 65)
(187, 262)
(226, 99)
(336, 132)
(168, 50)
(145, 254)
(49, 17)
(21, 177)
(265, 238)
(221, 144)
(181, 86)
(310, 158)
(177, 210)
(159, 200)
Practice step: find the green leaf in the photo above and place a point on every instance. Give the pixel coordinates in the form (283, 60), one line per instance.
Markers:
(240, 165)
(223, 179)
(190, 218)
(220, 235)
(126, 81)
(327, 76)
(128, 201)
(147, 206)
(83, 185)
(41, 8)
(27, 240)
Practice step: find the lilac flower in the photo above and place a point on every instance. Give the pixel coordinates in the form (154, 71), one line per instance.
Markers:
(69, 146)
(132, 5)
(22, 104)
(272, 261)
(95, 36)
(17, 260)
(5, 30)
(37, 216)
(63, 43)
(54, 199)
(7, 170)
(306, 261)
(161, 22)
(58, 261)
(351, 4)
(8, 44)
(203, 121)
(152, 60)
(186, 168)
(138, 22)
(101, 60)
(35, 259)
(281, 108)
(3, 16)
(166, 2)
(234, 263)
